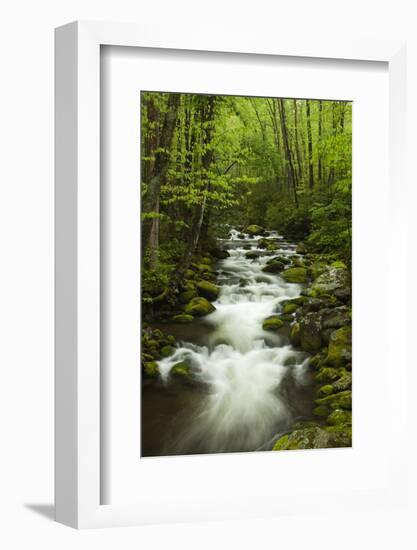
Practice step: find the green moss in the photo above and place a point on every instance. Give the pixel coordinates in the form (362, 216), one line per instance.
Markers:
(339, 265)
(325, 390)
(170, 339)
(180, 369)
(166, 351)
(295, 334)
(255, 230)
(321, 411)
(183, 318)
(341, 400)
(286, 318)
(340, 347)
(158, 333)
(272, 323)
(281, 444)
(326, 375)
(340, 416)
(295, 275)
(151, 369)
(274, 267)
(251, 255)
(188, 295)
(290, 308)
(199, 307)
(208, 290)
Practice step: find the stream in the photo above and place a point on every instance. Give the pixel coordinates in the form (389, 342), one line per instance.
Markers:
(250, 385)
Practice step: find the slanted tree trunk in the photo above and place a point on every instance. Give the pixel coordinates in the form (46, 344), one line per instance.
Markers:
(162, 157)
(310, 147)
(207, 114)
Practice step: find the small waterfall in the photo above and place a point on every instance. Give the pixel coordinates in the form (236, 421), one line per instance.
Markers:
(245, 369)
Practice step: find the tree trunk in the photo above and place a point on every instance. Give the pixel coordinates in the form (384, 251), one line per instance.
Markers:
(320, 132)
(288, 154)
(310, 147)
(160, 168)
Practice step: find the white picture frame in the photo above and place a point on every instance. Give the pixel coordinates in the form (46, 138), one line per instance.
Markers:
(78, 405)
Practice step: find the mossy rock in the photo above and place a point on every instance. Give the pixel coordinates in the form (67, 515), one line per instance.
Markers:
(343, 383)
(310, 332)
(282, 259)
(272, 323)
(301, 248)
(219, 253)
(339, 416)
(150, 368)
(338, 264)
(340, 347)
(273, 267)
(295, 334)
(289, 308)
(252, 255)
(157, 333)
(199, 307)
(183, 318)
(311, 438)
(208, 290)
(295, 275)
(326, 375)
(321, 411)
(166, 351)
(180, 369)
(326, 390)
(263, 243)
(188, 295)
(341, 400)
(189, 274)
(206, 260)
(330, 279)
(289, 318)
(255, 230)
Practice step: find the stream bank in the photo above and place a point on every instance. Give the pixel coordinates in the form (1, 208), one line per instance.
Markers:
(259, 353)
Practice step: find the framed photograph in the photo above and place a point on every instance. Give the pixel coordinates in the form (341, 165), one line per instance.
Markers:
(222, 346)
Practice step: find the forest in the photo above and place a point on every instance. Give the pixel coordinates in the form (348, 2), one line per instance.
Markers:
(245, 198)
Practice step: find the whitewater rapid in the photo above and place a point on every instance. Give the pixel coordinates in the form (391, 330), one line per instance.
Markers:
(245, 369)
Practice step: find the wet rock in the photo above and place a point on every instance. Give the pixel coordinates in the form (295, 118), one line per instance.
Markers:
(289, 307)
(272, 323)
(295, 275)
(310, 332)
(199, 307)
(343, 294)
(263, 243)
(219, 253)
(273, 267)
(252, 255)
(208, 290)
(312, 438)
(283, 259)
(182, 318)
(166, 351)
(255, 230)
(180, 369)
(295, 335)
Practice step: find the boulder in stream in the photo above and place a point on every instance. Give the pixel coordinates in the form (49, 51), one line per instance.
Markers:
(272, 323)
(255, 230)
(295, 275)
(208, 290)
(199, 307)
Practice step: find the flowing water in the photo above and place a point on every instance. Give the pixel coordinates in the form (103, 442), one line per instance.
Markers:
(250, 384)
